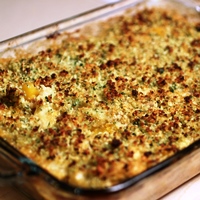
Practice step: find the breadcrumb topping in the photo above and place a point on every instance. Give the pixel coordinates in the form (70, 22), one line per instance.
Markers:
(95, 111)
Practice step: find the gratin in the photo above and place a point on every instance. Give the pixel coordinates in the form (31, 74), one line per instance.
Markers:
(97, 110)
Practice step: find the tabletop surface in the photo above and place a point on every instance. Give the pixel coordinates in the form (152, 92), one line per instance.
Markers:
(188, 191)
(17, 17)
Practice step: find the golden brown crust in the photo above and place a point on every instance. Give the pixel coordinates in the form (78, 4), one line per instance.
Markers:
(95, 111)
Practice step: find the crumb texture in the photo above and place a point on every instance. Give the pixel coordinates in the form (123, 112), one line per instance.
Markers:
(95, 111)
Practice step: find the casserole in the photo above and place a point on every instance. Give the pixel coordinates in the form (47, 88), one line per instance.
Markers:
(109, 95)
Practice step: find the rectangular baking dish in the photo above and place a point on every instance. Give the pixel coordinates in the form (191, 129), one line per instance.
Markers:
(17, 169)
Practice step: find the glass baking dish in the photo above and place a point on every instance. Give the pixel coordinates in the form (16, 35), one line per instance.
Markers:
(30, 178)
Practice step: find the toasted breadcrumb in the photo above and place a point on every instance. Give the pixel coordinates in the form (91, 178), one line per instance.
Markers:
(95, 111)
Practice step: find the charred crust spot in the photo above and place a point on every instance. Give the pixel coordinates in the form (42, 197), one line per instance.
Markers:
(27, 70)
(197, 111)
(90, 46)
(161, 82)
(110, 91)
(53, 76)
(79, 139)
(63, 73)
(64, 131)
(137, 122)
(180, 79)
(46, 81)
(175, 66)
(147, 153)
(2, 106)
(48, 98)
(160, 70)
(111, 48)
(11, 98)
(35, 128)
(144, 78)
(191, 64)
(61, 104)
(51, 157)
(102, 66)
(187, 99)
(169, 49)
(73, 163)
(110, 63)
(143, 19)
(197, 27)
(195, 43)
(66, 92)
(94, 72)
(63, 117)
(126, 133)
(196, 93)
(161, 91)
(134, 93)
(115, 143)
(53, 36)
